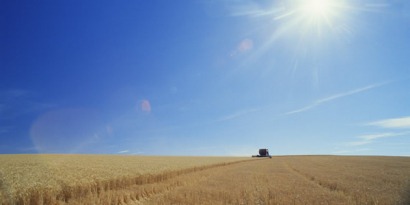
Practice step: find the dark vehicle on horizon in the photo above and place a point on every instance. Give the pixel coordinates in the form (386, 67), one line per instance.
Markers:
(263, 153)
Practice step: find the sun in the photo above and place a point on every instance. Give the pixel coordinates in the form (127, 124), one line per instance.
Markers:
(318, 17)
(317, 8)
(310, 21)
(312, 14)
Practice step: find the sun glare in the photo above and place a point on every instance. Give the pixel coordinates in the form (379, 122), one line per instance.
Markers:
(319, 16)
(314, 14)
(316, 8)
(307, 24)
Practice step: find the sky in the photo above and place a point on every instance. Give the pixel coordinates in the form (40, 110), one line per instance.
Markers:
(205, 77)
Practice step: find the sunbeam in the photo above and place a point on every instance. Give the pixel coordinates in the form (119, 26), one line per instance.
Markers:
(317, 15)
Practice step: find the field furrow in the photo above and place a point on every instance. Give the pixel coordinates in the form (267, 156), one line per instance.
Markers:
(312, 179)
(255, 182)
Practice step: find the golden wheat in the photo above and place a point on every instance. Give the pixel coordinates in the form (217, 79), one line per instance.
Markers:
(53, 179)
(85, 179)
(298, 180)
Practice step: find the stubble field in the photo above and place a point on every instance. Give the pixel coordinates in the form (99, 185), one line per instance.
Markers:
(99, 179)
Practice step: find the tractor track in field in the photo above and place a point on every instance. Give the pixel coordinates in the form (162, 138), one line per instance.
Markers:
(126, 190)
(152, 185)
(189, 179)
(181, 180)
(325, 185)
(254, 182)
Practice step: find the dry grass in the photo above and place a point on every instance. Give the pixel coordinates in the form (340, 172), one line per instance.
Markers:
(91, 179)
(82, 179)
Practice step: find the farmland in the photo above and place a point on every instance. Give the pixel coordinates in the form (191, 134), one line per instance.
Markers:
(38, 179)
(99, 179)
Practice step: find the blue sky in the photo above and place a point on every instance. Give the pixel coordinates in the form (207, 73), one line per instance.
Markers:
(205, 77)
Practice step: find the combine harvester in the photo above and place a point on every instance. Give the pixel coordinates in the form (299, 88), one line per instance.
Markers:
(263, 153)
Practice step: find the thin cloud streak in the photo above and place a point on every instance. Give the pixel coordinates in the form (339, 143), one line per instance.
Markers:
(335, 97)
(123, 151)
(403, 122)
(367, 139)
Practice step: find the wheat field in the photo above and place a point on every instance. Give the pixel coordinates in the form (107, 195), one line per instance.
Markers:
(99, 179)
(299, 180)
(51, 179)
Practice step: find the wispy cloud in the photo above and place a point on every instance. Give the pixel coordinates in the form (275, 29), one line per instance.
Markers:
(123, 151)
(367, 139)
(335, 97)
(403, 122)
(392, 123)
(306, 108)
